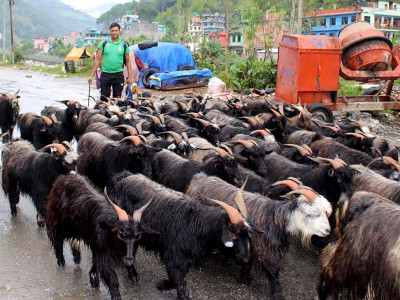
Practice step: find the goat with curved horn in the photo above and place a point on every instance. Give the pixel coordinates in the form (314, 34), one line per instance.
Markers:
(60, 148)
(122, 215)
(234, 215)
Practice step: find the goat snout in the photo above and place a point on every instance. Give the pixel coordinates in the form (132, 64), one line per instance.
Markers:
(128, 261)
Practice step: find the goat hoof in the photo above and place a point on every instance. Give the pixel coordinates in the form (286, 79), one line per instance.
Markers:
(246, 280)
(61, 262)
(134, 278)
(14, 213)
(77, 256)
(94, 280)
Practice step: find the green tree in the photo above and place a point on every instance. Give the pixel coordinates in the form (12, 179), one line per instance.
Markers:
(26, 47)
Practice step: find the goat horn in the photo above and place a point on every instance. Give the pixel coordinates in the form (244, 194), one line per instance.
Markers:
(66, 144)
(234, 215)
(182, 105)
(220, 151)
(308, 193)
(47, 120)
(147, 108)
(16, 93)
(359, 122)
(335, 128)
(122, 215)
(204, 122)
(240, 201)
(176, 136)
(190, 103)
(226, 148)
(357, 135)
(60, 148)
(155, 119)
(162, 118)
(398, 154)
(290, 183)
(280, 107)
(54, 118)
(185, 136)
(390, 161)
(130, 129)
(336, 163)
(246, 144)
(139, 127)
(133, 138)
(277, 114)
(263, 132)
(253, 121)
(302, 149)
(137, 214)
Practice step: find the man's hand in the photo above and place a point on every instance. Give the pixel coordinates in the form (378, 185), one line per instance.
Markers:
(129, 80)
(90, 79)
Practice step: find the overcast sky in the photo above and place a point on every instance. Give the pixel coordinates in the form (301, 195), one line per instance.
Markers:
(93, 7)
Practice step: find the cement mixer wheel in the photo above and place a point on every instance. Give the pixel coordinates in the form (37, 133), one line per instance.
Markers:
(321, 112)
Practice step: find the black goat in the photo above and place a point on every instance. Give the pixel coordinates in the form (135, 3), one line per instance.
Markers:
(68, 118)
(330, 178)
(303, 217)
(364, 260)
(101, 158)
(33, 173)
(254, 155)
(188, 229)
(77, 212)
(176, 172)
(9, 111)
(39, 130)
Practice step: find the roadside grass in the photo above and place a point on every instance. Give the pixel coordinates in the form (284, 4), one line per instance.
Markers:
(350, 88)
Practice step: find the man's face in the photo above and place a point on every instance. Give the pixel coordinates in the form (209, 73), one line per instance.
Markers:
(114, 32)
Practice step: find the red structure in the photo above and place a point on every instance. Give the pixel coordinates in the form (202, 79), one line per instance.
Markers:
(219, 35)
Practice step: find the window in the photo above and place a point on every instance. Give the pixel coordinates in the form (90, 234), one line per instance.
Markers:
(353, 19)
(239, 39)
(332, 22)
(345, 20)
(332, 34)
(323, 22)
(233, 38)
(367, 19)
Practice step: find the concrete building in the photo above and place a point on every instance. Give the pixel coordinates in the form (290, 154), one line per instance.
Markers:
(149, 30)
(72, 38)
(91, 36)
(382, 14)
(329, 22)
(212, 23)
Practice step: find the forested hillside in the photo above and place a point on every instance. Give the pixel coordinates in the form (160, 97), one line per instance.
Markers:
(42, 18)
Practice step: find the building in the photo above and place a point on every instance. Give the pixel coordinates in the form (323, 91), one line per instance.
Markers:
(382, 14)
(44, 44)
(72, 38)
(91, 36)
(329, 22)
(212, 23)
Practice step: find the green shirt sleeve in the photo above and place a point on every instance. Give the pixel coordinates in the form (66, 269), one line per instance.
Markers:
(101, 45)
(127, 50)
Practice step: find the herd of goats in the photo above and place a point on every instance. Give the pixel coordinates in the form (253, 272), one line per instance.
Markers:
(185, 176)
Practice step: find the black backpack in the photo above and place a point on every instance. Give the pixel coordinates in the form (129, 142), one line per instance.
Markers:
(125, 44)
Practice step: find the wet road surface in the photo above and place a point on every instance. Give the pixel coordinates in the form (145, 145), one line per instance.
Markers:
(28, 268)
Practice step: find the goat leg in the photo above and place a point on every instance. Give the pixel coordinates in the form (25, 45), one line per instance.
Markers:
(272, 272)
(132, 273)
(13, 197)
(93, 274)
(177, 278)
(106, 267)
(323, 290)
(245, 277)
(58, 249)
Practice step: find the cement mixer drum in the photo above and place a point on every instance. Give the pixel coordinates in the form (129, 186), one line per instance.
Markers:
(365, 48)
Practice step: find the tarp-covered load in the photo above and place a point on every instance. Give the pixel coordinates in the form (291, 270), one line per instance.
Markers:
(165, 57)
(164, 80)
(76, 54)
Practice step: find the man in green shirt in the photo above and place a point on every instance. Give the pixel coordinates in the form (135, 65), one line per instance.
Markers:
(112, 52)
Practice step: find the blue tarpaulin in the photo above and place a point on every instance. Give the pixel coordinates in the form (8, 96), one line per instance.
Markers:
(171, 78)
(165, 57)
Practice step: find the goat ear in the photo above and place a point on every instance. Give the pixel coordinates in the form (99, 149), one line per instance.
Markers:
(331, 172)
(148, 230)
(217, 162)
(308, 209)
(43, 129)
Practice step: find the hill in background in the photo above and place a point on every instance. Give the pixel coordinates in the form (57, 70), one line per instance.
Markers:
(43, 18)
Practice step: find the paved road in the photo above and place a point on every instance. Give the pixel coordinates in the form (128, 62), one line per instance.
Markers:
(28, 268)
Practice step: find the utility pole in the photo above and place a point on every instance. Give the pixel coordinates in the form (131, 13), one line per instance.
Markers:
(227, 37)
(4, 32)
(292, 15)
(300, 17)
(12, 34)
